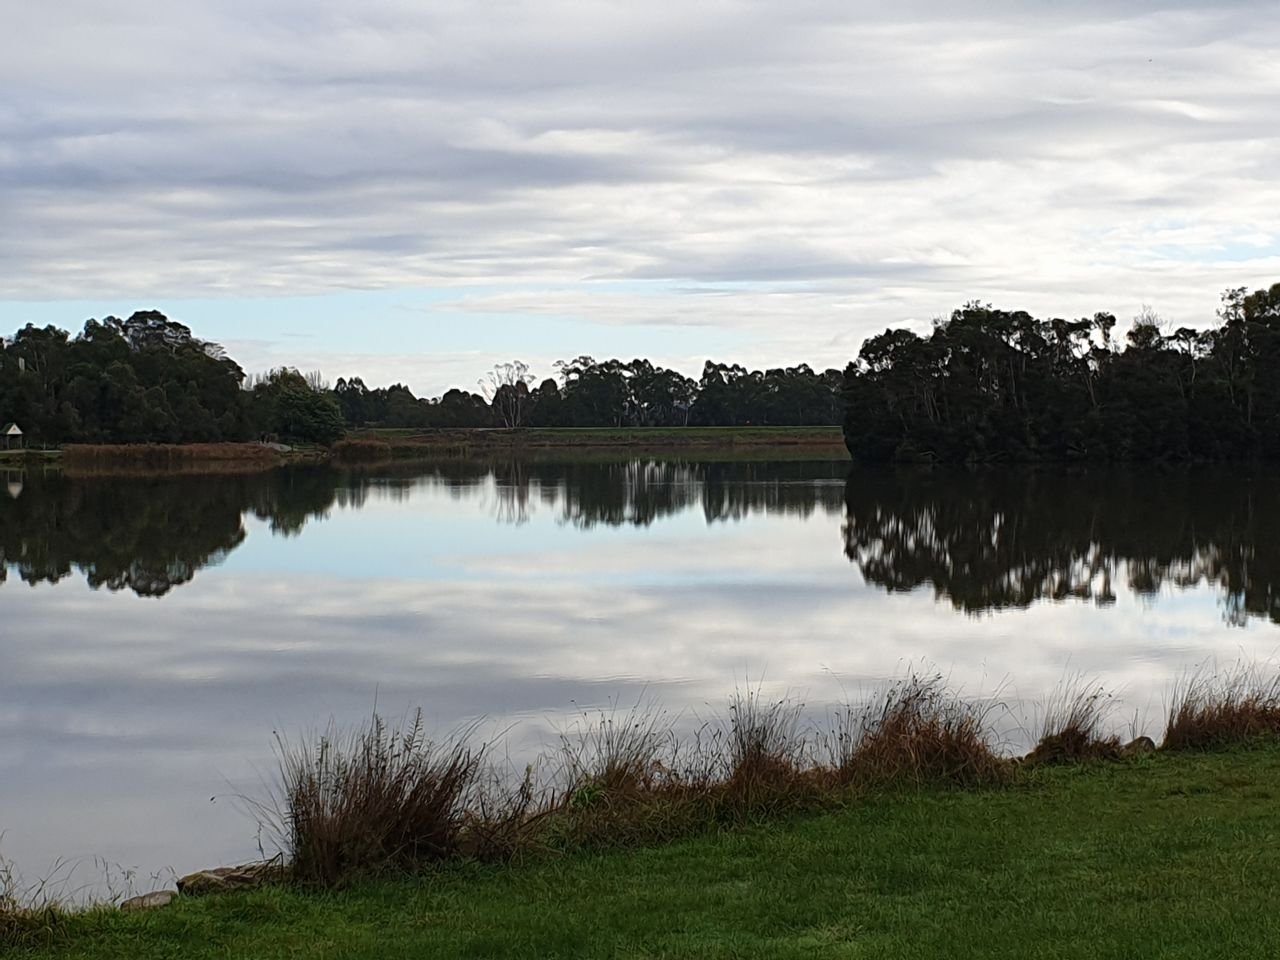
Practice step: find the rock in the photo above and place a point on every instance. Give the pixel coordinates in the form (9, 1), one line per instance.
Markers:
(247, 876)
(150, 901)
(1138, 747)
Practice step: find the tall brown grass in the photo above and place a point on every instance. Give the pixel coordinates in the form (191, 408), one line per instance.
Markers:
(1073, 730)
(383, 798)
(920, 733)
(380, 798)
(166, 455)
(1210, 710)
(375, 799)
(356, 450)
(616, 753)
(769, 754)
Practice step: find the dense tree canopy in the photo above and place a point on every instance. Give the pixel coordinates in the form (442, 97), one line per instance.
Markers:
(147, 379)
(985, 384)
(608, 393)
(121, 381)
(990, 384)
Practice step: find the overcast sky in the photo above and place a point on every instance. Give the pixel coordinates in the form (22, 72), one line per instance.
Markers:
(413, 190)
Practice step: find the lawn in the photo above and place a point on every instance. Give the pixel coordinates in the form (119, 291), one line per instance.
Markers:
(1172, 855)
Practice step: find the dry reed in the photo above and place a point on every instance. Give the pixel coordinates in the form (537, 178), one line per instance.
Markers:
(1073, 727)
(361, 451)
(922, 734)
(1212, 710)
(376, 799)
(166, 455)
(388, 799)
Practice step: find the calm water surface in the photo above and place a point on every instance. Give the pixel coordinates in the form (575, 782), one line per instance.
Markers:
(154, 632)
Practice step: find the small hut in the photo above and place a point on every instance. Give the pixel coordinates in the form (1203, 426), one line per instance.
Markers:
(11, 437)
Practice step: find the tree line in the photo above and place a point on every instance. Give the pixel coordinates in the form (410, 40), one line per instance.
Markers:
(608, 393)
(990, 384)
(985, 384)
(148, 379)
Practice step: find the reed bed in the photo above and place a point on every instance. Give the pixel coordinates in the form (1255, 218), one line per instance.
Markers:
(384, 798)
(166, 455)
(356, 450)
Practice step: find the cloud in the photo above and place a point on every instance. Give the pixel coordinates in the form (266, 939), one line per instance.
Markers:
(890, 162)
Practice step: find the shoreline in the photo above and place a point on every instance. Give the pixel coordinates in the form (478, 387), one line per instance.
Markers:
(370, 448)
(406, 444)
(1153, 850)
(387, 804)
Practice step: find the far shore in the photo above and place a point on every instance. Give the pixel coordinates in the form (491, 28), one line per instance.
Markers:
(370, 446)
(628, 437)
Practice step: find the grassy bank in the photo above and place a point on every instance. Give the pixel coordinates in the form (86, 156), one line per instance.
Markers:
(1171, 855)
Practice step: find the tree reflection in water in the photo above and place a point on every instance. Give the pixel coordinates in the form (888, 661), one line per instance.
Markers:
(146, 533)
(151, 533)
(1008, 538)
(985, 540)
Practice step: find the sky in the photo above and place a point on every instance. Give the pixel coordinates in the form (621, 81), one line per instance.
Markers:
(411, 191)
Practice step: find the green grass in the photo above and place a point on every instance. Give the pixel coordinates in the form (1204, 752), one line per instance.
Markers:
(1171, 856)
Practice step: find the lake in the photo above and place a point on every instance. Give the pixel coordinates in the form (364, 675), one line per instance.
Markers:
(155, 632)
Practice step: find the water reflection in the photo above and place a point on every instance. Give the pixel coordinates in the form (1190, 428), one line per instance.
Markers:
(640, 492)
(994, 539)
(983, 540)
(150, 534)
(145, 534)
(524, 592)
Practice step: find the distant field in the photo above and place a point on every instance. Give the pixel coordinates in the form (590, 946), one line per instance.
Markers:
(1174, 856)
(612, 436)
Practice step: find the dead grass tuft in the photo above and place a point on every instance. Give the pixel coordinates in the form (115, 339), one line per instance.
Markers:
(921, 734)
(1214, 710)
(1073, 728)
(371, 801)
(767, 752)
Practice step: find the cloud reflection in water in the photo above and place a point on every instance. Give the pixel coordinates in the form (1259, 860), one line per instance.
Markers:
(304, 595)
